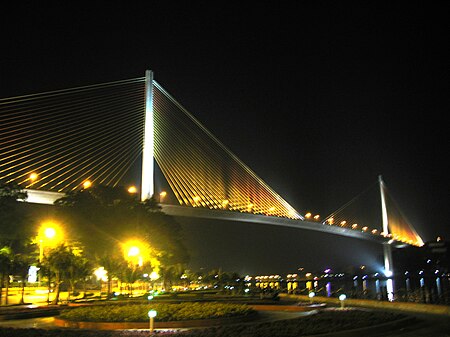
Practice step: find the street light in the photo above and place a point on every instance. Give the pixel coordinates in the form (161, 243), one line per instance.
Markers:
(87, 184)
(162, 195)
(134, 251)
(47, 234)
(151, 314)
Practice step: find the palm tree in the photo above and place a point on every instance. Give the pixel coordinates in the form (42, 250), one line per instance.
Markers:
(59, 261)
(20, 267)
(5, 269)
(78, 270)
(114, 266)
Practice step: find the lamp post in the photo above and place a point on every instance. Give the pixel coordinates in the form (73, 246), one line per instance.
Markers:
(48, 233)
(151, 314)
(342, 298)
(311, 297)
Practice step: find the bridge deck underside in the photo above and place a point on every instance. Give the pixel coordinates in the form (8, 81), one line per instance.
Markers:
(197, 212)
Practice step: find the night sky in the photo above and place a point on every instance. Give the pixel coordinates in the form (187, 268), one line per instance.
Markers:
(317, 99)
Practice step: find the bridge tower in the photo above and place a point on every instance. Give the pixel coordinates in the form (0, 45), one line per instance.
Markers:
(387, 250)
(147, 182)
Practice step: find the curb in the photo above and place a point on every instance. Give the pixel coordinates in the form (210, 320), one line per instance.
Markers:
(158, 325)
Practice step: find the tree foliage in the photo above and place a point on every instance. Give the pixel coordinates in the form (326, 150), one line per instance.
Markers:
(102, 218)
(14, 229)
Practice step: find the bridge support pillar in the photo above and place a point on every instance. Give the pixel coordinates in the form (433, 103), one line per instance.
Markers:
(147, 183)
(389, 270)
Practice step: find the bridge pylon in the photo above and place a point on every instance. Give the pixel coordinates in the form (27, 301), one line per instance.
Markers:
(147, 182)
(387, 250)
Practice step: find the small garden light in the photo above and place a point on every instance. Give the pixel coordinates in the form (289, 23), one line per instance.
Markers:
(342, 298)
(311, 296)
(152, 314)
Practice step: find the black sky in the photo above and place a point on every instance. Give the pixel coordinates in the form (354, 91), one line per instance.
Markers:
(317, 99)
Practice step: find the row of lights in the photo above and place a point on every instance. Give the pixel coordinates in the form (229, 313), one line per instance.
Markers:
(355, 226)
(343, 223)
(87, 184)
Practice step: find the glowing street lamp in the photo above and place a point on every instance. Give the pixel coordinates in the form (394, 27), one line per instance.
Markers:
(132, 189)
(46, 236)
(162, 195)
(133, 251)
(87, 184)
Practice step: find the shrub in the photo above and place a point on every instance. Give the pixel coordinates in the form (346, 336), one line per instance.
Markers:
(166, 312)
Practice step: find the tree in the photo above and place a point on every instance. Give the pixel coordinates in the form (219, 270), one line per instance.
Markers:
(171, 274)
(78, 270)
(61, 261)
(103, 217)
(20, 266)
(13, 223)
(5, 270)
(113, 264)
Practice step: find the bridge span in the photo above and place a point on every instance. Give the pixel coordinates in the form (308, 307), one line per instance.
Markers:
(46, 197)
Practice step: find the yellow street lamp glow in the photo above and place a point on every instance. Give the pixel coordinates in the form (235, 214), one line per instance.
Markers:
(133, 251)
(132, 189)
(33, 176)
(87, 184)
(308, 215)
(50, 232)
(101, 274)
(154, 276)
(49, 235)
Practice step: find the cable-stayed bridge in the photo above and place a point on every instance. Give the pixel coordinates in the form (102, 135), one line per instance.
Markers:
(60, 141)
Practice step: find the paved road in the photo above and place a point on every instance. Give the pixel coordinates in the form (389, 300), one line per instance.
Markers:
(39, 323)
(425, 325)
